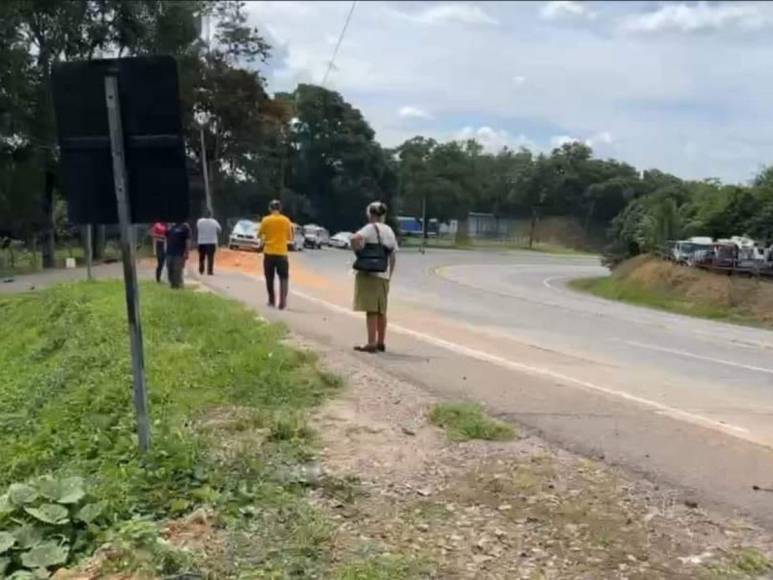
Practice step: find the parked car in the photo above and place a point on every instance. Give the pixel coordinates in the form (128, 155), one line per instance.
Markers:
(683, 251)
(244, 236)
(315, 236)
(296, 245)
(342, 240)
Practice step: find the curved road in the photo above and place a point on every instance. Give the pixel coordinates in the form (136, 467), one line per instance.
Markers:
(717, 374)
(681, 399)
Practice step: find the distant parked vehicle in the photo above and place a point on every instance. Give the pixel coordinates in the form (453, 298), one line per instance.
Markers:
(683, 251)
(409, 226)
(315, 236)
(342, 240)
(296, 244)
(725, 254)
(244, 236)
(412, 226)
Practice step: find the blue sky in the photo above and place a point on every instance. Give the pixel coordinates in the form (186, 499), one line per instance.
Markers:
(682, 86)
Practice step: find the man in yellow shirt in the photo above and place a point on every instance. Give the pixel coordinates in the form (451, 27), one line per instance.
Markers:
(276, 231)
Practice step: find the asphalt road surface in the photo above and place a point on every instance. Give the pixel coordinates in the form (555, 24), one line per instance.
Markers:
(684, 400)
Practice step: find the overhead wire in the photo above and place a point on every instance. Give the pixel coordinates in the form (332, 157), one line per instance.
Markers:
(338, 44)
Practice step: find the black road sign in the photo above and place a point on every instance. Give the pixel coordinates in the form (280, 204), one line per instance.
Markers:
(152, 135)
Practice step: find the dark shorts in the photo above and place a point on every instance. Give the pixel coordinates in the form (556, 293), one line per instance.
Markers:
(276, 264)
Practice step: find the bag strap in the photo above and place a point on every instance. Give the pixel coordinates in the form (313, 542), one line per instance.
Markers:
(378, 234)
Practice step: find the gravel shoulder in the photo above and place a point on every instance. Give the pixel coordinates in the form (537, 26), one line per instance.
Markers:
(406, 498)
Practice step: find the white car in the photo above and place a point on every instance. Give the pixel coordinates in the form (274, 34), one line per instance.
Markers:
(244, 236)
(342, 240)
(315, 236)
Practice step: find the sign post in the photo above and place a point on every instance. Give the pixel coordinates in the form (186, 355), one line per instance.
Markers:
(129, 264)
(123, 161)
(89, 251)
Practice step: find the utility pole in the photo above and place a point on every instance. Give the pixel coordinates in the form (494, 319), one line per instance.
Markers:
(204, 163)
(204, 171)
(424, 226)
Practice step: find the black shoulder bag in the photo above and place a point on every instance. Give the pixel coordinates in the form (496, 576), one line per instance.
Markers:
(373, 258)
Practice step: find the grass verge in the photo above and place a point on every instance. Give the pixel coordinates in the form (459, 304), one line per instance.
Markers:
(228, 404)
(615, 289)
(466, 421)
(493, 245)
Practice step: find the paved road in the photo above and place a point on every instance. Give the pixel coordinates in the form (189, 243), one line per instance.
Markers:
(679, 399)
(710, 373)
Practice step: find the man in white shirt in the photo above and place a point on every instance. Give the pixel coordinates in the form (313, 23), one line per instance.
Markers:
(207, 230)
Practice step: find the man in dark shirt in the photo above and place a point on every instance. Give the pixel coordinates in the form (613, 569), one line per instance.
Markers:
(177, 238)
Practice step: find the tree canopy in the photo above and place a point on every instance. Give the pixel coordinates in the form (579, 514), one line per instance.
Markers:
(314, 149)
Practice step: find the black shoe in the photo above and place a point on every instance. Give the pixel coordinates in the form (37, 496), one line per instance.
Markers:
(370, 348)
(381, 347)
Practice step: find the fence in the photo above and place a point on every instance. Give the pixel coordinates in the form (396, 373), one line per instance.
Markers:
(561, 231)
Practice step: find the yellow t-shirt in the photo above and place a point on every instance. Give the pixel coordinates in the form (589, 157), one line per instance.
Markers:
(276, 231)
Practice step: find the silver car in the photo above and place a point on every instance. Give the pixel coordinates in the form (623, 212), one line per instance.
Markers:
(244, 236)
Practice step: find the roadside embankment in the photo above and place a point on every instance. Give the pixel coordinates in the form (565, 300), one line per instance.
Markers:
(648, 281)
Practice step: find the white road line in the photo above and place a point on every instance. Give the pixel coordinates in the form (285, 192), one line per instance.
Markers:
(699, 357)
(547, 281)
(533, 370)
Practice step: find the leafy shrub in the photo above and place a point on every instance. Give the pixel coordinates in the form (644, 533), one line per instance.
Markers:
(44, 524)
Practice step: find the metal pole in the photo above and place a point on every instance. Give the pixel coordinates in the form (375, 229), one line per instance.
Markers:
(424, 225)
(205, 171)
(89, 252)
(129, 266)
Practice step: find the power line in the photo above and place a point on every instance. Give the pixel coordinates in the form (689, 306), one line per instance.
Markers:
(338, 44)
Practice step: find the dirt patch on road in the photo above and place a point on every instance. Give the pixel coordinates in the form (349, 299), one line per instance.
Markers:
(252, 263)
(408, 503)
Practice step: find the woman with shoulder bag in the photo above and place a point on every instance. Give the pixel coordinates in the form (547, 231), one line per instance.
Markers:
(375, 246)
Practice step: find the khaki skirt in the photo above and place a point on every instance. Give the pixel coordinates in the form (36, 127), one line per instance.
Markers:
(370, 293)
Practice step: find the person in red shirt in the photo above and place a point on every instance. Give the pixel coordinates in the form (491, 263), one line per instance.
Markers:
(158, 232)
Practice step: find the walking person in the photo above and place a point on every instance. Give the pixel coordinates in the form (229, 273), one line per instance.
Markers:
(158, 234)
(375, 246)
(276, 231)
(207, 231)
(177, 239)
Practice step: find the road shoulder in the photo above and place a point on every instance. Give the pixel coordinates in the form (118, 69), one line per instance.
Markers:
(406, 498)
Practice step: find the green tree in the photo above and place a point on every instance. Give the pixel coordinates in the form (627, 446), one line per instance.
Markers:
(336, 162)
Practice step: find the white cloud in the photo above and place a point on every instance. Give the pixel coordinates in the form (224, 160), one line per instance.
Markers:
(556, 9)
(561, 140)
(452, 13)
(600, 138)
(493, 140)
(409, 112)
(699, 17)
(518, 80)
(604, 137)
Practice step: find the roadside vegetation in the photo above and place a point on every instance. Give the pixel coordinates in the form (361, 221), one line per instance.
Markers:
(466, 421)
(649, 281)
(230, 442)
